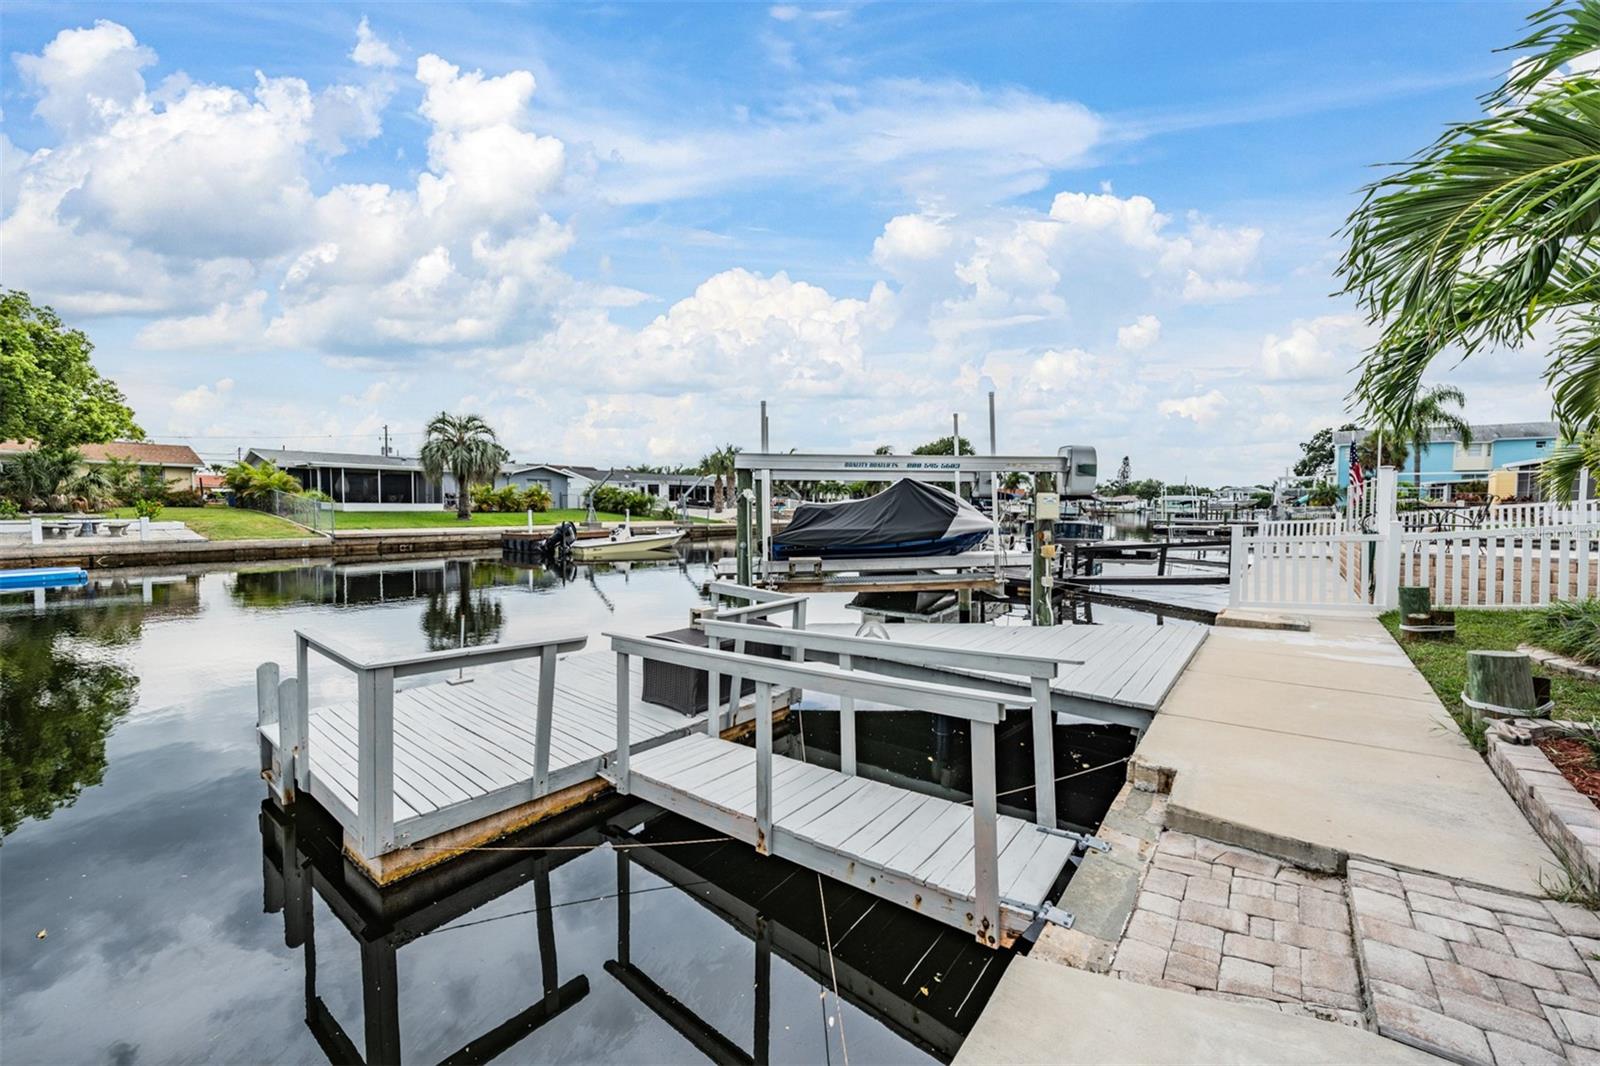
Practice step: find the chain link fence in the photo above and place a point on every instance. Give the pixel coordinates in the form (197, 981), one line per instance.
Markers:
(315, 515)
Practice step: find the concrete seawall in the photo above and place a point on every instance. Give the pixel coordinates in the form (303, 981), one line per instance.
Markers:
(351, 544)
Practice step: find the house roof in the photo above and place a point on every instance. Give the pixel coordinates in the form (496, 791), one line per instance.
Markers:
(293, 457)
(142, 452)
(1488, 432)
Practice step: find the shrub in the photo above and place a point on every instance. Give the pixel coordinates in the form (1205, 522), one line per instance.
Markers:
(317, 495)
(535, 498)
(617, 500)
(1570, 628)
(483, 498)
(184, 498)
(9, 509)
(147, 508)
(253, 484)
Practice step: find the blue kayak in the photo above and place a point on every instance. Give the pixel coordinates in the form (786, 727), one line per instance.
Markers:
(44, 577)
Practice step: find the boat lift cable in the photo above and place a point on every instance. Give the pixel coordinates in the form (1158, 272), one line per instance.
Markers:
(838, 1004)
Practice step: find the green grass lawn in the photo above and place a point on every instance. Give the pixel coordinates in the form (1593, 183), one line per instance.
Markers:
(224, 523)
(448, 519)
(1444, 662)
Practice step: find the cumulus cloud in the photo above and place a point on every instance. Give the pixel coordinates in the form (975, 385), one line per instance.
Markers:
(1139, 334)
(1201, 410)
(1322, 347)
(910, 238)
(229, 328)
(370, 49)
(86, 76)
(202, 399)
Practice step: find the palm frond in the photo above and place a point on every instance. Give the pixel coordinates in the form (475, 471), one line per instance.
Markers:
(1561, 33)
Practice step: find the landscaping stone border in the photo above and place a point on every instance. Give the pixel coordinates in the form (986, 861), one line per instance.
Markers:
(1560, 664)
(1565, 818)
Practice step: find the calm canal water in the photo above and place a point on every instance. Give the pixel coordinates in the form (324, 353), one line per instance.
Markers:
(154, 909)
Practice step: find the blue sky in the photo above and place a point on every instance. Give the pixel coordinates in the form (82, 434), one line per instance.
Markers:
(613, 229)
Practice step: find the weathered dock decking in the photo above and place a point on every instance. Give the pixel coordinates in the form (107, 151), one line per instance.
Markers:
(966, 866)
(855, 830)
(418, 773)
(1123, 666)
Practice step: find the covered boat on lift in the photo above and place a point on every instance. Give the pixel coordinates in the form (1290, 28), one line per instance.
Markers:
(909, 518)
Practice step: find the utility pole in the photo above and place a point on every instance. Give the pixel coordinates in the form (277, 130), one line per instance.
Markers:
(386, 439)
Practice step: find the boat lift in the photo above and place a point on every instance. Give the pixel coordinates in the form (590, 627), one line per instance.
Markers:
(1070, 472)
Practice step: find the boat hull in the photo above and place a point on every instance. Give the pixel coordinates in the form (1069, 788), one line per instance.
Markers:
(633, 548)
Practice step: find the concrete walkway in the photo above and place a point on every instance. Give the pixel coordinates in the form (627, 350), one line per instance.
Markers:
(1100, 1019)
(1319, 746)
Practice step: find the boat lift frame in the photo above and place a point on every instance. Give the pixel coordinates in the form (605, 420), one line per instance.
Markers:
(755, 473)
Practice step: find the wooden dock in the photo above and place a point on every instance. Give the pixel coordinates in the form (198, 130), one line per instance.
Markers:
(422, 773)
(1125, 667)
(418, 774)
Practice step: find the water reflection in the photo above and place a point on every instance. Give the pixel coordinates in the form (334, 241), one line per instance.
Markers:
(62, 689)
(302, 862)
(910, 986)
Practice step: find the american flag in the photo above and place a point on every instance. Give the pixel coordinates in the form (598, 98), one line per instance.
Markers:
(1358, 484)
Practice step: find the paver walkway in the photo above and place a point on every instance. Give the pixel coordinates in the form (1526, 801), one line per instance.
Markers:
(1328, 744)
(1233, 924)
(1478, 976)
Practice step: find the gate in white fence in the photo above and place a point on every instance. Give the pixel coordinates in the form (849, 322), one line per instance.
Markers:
(1521, 555)
(1322, 572)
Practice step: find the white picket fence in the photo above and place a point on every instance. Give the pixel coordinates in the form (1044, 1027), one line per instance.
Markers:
(1520, 555)
(1487, 568)
(1504, 567)
(1525, 515)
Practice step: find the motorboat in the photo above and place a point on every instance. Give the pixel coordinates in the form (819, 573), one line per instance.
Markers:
(907, 519)
(624, 543)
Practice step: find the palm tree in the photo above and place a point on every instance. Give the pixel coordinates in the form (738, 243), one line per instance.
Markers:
(1489, 233)
(466, 447)
(723, 466)
(1435, 409)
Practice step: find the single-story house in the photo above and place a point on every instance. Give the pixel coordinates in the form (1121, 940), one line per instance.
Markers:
(360, 482)
(569, 484)
(180, 467)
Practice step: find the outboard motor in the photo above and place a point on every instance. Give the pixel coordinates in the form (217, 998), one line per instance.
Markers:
(558, 545)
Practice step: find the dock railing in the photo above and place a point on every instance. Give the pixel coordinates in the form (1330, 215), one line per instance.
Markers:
(982, 709)
(375, 677)
(859, 652)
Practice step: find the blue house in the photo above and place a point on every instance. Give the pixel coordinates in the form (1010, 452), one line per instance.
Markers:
(1504, 453)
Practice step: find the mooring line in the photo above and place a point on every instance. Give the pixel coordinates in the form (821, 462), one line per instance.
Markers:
(838, 1004)
(566, 903)
(568, 847)
(1063, 777)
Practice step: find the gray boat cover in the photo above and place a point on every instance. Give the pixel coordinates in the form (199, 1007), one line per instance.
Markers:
(907, 518)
